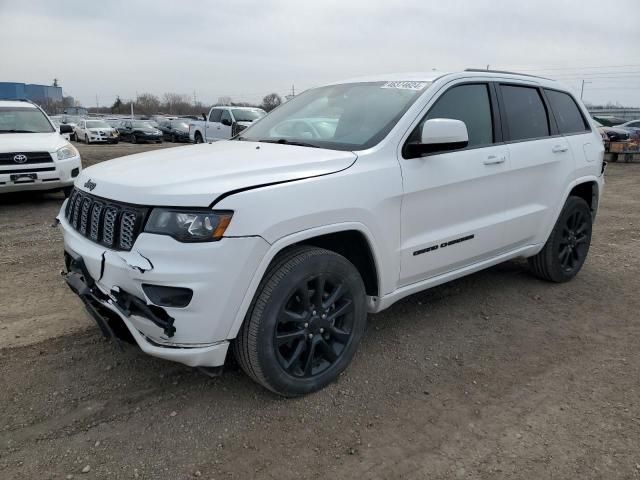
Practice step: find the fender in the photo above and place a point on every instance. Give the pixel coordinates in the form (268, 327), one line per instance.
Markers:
(585, 179)
(298, 237)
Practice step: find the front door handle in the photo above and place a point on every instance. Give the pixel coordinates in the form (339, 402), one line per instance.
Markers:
(559, 149)
(494, 160)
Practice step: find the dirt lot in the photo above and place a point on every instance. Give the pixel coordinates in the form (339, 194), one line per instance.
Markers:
(497, 375)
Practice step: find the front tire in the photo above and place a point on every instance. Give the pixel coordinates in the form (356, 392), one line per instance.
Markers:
(305, 323)
(198, 138)
(133, 138)
(566, 249)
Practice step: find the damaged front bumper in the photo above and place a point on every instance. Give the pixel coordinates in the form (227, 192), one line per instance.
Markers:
(111, 285)
(113, 313)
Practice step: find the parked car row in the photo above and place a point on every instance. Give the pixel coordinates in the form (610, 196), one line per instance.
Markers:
(613, 129)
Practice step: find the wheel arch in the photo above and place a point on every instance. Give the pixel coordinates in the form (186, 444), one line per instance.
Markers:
(589, 188)
(345, 239)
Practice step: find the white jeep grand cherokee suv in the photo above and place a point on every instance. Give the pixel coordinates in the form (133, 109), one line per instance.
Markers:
(33, 154)
(340, 202)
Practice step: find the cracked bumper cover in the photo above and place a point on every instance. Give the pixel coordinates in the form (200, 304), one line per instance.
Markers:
(219, 273)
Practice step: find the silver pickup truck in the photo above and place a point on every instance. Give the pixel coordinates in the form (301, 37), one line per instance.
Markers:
(222, 123)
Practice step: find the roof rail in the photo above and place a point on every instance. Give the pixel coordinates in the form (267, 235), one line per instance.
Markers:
(482, 70)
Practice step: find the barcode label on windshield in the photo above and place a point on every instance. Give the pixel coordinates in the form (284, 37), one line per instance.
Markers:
(406, 85)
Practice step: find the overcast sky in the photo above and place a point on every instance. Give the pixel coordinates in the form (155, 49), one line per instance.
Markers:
(246, 49)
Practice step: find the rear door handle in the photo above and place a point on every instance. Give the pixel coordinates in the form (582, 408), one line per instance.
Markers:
(494, 160)
(559, 149)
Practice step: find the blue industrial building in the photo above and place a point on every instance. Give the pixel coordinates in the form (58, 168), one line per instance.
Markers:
(36, 93)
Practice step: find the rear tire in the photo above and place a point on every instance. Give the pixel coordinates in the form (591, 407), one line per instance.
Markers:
(133, 138)
(566, 250)
(305, 323)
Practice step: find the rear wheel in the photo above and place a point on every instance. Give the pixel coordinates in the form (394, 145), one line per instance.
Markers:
(133, 138)
(305, 324)
(568, 245)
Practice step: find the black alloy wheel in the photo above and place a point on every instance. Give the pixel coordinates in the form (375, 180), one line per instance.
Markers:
(314, 326)
(305, 323)
(133, 138)
(573, 246)
(567, 247)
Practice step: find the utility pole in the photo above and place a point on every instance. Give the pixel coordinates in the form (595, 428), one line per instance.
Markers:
(582, 88)
(488, 66)
(97, 104)
(293, 91)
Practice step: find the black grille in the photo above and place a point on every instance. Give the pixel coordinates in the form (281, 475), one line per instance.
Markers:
(112, 224)
(32, 157)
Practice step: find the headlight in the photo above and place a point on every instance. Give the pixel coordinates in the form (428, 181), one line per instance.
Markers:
(189, 225)
(68, 151)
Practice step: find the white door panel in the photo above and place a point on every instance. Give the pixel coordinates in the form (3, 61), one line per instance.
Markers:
(538, 171)
(453, 210)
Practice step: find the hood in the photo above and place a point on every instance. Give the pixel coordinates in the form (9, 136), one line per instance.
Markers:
(145, 129)
(195, 175)
(31, 142)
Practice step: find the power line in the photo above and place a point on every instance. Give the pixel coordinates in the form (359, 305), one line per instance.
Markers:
(542, 69)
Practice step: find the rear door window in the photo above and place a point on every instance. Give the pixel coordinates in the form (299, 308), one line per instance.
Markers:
(526, 115)
(566, 112)
(216, 113)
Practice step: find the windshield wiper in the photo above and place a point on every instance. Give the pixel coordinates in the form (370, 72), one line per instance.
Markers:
(18, 131)
(284, 141)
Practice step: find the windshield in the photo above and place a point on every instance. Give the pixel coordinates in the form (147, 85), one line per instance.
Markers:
(23, 120)
(180, 125)
(97, 124)
(140, 125)
(247, 115)
(352, 116)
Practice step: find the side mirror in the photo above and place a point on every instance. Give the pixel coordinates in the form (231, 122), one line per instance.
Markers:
(226, 121)
(64, 128)
(440, 135)
(204, 117)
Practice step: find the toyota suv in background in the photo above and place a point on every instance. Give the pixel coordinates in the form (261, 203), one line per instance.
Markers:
(338, 203)
(222, 123)
(33, 154)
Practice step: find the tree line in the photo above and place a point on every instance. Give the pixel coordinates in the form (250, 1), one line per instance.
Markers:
(177, 104)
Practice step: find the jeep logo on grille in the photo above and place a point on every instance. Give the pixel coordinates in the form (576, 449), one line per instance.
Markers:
(90, 185)
(20, 158)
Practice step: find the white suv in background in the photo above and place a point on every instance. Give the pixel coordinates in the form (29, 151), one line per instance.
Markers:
(338, 203)
(33, 154)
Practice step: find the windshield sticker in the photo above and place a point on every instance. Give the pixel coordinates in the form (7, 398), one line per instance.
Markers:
(406, 85)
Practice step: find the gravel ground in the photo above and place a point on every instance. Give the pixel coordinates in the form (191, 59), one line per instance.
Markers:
(496, 375)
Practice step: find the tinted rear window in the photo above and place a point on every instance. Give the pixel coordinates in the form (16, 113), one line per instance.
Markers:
(525, 112)
(566, 112)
